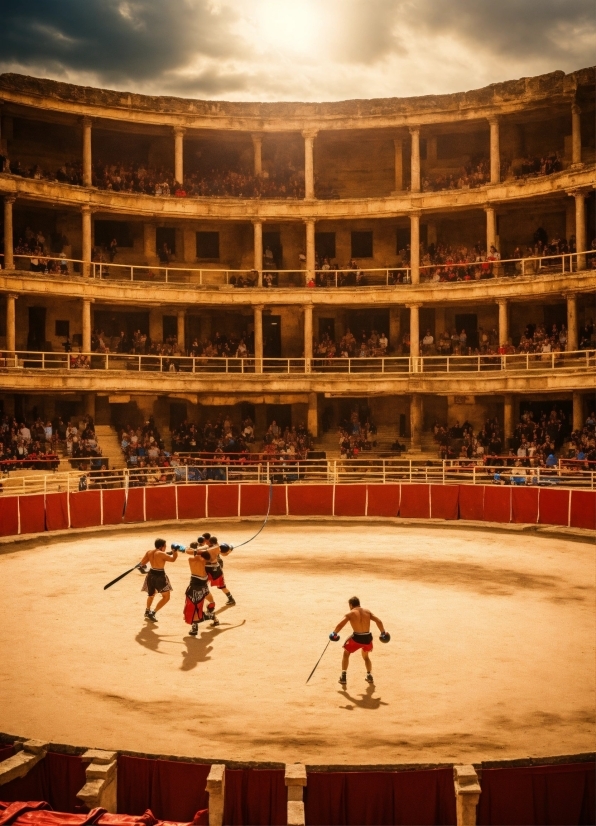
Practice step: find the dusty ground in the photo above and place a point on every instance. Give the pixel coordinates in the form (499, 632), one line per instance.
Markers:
(492, 650)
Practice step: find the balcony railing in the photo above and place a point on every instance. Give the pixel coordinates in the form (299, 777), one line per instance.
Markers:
(578, 360)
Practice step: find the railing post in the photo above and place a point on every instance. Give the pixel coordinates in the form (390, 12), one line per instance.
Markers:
(107, 362)
(410, 471)
(473, 474)
(216, 783)
(295, 778)
(166, 275)
(467, 794)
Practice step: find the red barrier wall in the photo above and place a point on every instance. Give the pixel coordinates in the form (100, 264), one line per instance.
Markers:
(113, 506)
(256, 796)
(172, 789)
(444, 501)
(135, 506)
(350, 500)
(415, 501)
(497, 504)
(56, 512)
(383, 500)
(222, 500)
(160, 503)
(254, 500)
(310, 500)
(524, 505)
(583, 509)
(192, 501)
(471, 502)
(553, 507)
(32, 513)
(85, 509)
(56, 779)
(9, 515)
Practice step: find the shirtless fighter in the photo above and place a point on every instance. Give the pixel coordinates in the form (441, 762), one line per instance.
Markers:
(157, 580)
(215, 571)
(361, 639)
(197, 590)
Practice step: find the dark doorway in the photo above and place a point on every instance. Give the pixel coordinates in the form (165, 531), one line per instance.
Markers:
(555, 314)
(362, 244)
(177, 414)
(105, 231)
(281, 414)
(65, 409)
(327, 325)
(36, 337)
(402, 424)
(169, 327)
(366, 321)
(247, 411)
(113, 323)
(192, 329)
(272, 336)
(427, 322)
(272, 251)
(325, 245)
(469, 323)
(402, 239)
(167, 236)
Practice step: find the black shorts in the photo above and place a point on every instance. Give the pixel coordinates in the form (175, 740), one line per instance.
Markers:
(156, 581)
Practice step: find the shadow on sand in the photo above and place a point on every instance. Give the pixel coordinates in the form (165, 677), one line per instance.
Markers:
(198, 649)
(367, 700)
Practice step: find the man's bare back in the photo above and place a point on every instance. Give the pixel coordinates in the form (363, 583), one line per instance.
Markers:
(359, 619)
(158, 558)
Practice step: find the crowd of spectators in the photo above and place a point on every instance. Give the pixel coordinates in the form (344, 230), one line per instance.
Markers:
(286, 444)
(44, 254)
(582, 446)
(36, 444)
(368, 344)
(472, 174)
(220, 345)
(534, 165)
(356, 435)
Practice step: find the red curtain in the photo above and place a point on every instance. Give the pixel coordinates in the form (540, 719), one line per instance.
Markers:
(56, 779)
(192, 501)
(553, 507)
(537, 795)
(497, 504)
(583, 509)
(135, 508)
(160, 503)
(254, 500)
(444, 501)
(383, 500)
(255, 797)
(524, 505)
(310, 500)
(39, 813)
(172, 789)
(222, 500)
(56, 515)
(9, 515)
(379, 798)
(113, 506)
(350, 500)
(32, 513)
(85, 509)
(471, 502)
(415, 501)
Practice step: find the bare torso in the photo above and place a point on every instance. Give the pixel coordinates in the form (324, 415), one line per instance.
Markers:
(359, 619)
(197, 565)
(157, 559)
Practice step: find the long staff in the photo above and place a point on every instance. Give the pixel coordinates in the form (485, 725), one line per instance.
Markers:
(264, 523)
(318, 661)
(118, 578)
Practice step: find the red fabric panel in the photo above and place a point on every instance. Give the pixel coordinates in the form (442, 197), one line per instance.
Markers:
(350, 500)
(113, 506)
(497, 504)
(5, 753)
(172, 789)
(57, 779)
(553, 507)
(310, 500)
(471, 502)
(524, 505)
(254, 500)
(222, 500)
(160, 503)
(192, 501)
(39, 813)
(9, 515)
(383, 500)
(32, 513)
(85, 509)
(444, 501)
(379, 798)
(537, 795)
(56, 516)
(135, 511)
(583, 509)
(415, 501)
(255, 797)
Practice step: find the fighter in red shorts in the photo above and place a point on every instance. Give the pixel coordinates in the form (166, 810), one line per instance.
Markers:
(214, 570)
(361, 639)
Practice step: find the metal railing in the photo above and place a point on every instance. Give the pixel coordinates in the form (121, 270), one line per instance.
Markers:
(507, 267)
(581, 360)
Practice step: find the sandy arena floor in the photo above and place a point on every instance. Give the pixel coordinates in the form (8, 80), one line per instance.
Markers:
(492, 650)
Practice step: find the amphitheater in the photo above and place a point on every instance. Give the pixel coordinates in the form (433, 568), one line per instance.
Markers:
(364, 329)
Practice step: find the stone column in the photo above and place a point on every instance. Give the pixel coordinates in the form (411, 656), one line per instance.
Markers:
(258, 250)
(8, 233)
(580, 227)
(295, 778)
(308, 335)
(394, 331)
(87, 155)
(491, 227)
(495, 151)
(576, 135)
(179, 154)
(503, 321)
(149, 242)
(89, 405)
(86, 326)
(310, 248)
(216, 788)
(180, 332)
(313, 414)
(414, 335)
(467, 794)
(415, 159)
(416, 421)
(258, 322)
(86, 239)
(572, 338)
(507, 420)
(578, 410)
(399, 164)
(415, 247)
(100, 789)
(309, 163)
(11, 322)
(257, 143)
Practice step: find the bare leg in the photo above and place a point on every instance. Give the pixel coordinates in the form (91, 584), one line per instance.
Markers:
(165, 598)
(149, 602)
(345, 660)
(367, 661)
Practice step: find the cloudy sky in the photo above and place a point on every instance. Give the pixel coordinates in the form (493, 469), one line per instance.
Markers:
(294, 49)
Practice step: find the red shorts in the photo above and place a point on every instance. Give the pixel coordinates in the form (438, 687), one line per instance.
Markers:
(217, 582)
(193, 611)
(358, 642)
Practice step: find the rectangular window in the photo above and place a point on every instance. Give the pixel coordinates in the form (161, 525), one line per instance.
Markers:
(62, 329)
(208, 246)
(325, 244)
(106, 231)
(165, 236)
(402, 237)
(169, 326)
(362, 244)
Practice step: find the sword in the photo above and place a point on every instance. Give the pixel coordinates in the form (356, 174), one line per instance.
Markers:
(318, 661)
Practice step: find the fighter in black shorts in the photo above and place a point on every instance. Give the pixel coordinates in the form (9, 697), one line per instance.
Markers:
(157, 580)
